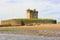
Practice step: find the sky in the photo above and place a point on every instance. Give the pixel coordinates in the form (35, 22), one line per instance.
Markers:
(11, 9)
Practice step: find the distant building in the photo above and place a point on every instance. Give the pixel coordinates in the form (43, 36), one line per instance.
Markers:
(32, 19)
(32, 14)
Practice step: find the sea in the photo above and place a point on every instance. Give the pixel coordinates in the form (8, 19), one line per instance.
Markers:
(12, 36)
(25, 37)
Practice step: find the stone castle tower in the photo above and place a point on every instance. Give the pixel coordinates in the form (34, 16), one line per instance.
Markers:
(32, 14)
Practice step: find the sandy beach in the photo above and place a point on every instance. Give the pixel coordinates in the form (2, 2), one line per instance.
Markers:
(49, 30)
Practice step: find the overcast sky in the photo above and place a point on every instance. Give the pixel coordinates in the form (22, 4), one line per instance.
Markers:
(10, 9)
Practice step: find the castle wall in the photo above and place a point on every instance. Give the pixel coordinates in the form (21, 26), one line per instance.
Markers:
(38, 22)
(27, 22)
(10, 22)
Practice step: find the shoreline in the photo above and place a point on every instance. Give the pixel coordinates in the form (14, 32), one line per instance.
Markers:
(49, 31)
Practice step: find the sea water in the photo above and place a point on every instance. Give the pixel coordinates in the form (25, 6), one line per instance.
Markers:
(5, 36)
(25, 37)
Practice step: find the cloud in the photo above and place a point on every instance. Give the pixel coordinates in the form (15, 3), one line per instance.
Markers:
(53, 1)
(11, 1)
(17, 8)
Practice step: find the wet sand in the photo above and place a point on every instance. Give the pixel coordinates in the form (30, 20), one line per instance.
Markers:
(49, 30)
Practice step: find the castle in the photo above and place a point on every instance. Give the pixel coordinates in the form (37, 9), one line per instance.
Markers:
(31, 19)
(32, 14)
